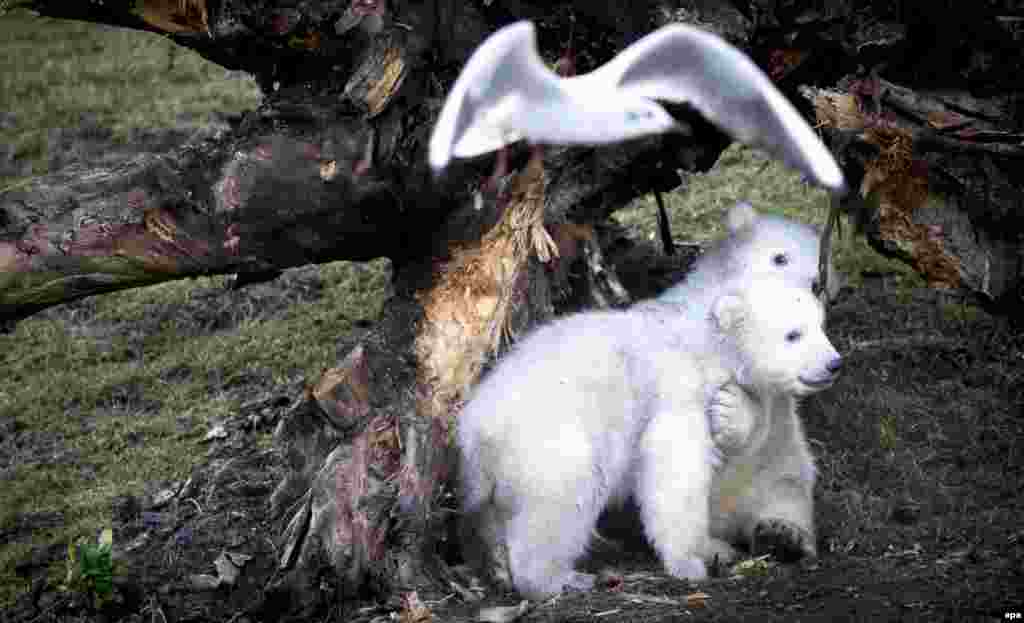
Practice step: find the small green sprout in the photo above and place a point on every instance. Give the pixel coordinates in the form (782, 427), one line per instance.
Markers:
(90, 569)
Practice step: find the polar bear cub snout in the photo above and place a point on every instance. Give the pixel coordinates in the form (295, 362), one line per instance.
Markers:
(832, 369)
(823, 377)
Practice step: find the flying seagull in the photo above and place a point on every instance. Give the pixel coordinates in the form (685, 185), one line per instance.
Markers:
(505, 93)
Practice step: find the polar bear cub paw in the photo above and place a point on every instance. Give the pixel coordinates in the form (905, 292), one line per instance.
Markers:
(784, 540)
(688, 569)
(581, 581)
(718, 552)
(729, 414)
(718, 556)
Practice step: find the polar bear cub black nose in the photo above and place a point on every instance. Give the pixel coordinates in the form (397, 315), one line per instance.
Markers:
(835, 365)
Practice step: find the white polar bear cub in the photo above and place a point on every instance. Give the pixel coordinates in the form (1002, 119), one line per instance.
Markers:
(763, 497)
(599, 401)
(755, 245)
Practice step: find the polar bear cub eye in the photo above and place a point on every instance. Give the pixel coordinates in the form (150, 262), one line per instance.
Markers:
(780, 259)
(794, 336)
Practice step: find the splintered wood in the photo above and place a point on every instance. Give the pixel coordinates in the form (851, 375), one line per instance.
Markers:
(468, 309)
(898, 181)
(178, 16)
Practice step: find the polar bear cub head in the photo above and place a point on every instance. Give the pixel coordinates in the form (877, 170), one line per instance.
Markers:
(767, 245)
(776, 332)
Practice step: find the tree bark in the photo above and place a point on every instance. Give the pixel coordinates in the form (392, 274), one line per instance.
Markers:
(940, 182)
(925, 115)
(332, 166)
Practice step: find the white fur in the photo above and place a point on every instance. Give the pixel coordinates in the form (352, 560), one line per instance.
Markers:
(755, 245)
(506, 93)
(768, 473)
(600, 402)
(766, 484)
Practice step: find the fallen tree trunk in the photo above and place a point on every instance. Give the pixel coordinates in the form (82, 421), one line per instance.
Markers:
(308, 178)
(351, 158)
(940, 182)
(150, 219)
(927, 119)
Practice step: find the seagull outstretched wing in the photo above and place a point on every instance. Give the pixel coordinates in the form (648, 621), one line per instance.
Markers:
(505, 93)
(502, 71)
(681, 63)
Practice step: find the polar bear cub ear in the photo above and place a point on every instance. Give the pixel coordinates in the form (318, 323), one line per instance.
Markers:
(739, 217)
(729, 312)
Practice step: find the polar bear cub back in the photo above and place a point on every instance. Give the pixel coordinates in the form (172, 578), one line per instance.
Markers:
(597, 400)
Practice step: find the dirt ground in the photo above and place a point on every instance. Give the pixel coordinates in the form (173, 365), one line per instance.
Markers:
(919, 504)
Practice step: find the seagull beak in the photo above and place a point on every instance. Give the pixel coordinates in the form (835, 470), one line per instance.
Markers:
(678, 127)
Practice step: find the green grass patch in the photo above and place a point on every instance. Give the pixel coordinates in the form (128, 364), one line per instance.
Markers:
(887, 436)
(102, 385)
(745, 174)
(53, 71)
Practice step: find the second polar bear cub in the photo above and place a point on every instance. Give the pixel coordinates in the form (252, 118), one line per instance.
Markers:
(755, 244)
(598, 401)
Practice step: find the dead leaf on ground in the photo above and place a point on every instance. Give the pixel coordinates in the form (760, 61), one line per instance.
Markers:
(204, 581)
(229, 566)
(463, 592)
(611, 580)
(174, 15)
(414, 610)
(606, 613)
(649, 599)
(216, 432)
(164, 496)
(226, 570)
(503, 614)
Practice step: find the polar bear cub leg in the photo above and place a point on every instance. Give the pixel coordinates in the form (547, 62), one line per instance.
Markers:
(775, 512)
(672, 486)
(763, 493)
(545, 537)
(778, 514)
(778, 506)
